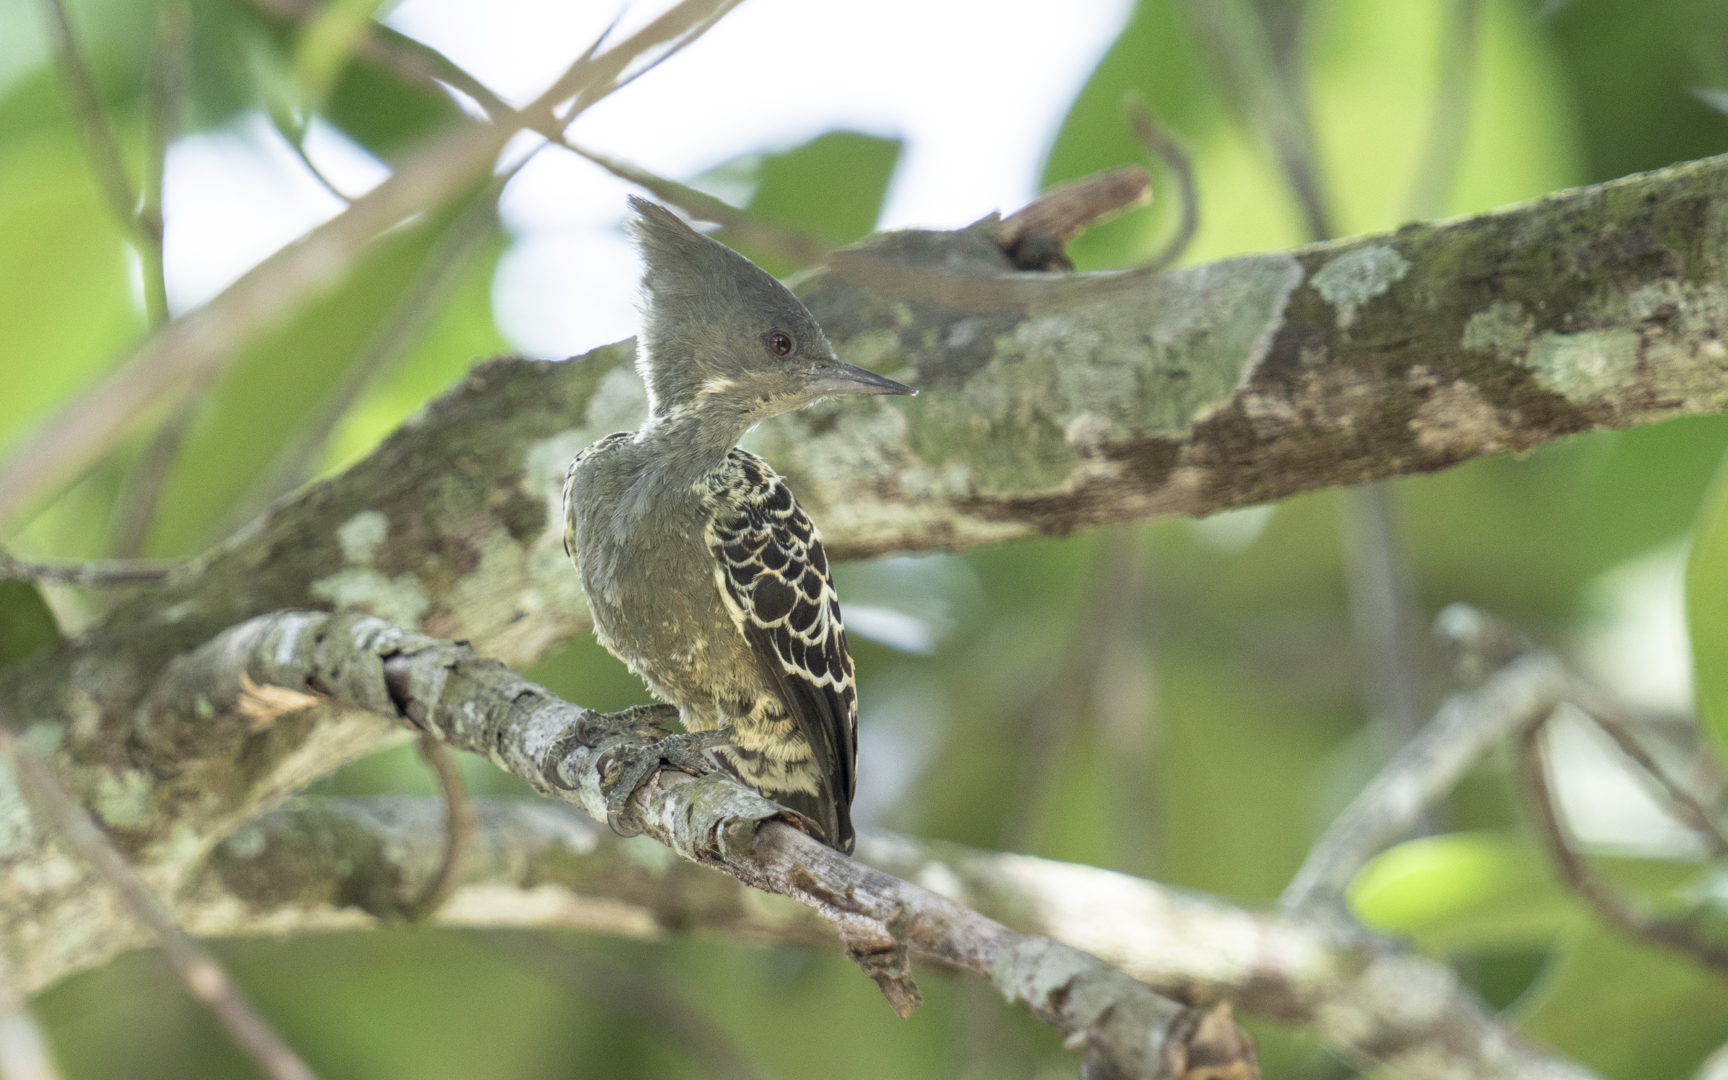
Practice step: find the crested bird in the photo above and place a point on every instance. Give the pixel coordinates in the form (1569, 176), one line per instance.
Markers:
(703, 574)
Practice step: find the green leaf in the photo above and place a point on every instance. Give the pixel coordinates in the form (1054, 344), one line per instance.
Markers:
(1489, 890)
(1628, 1010)
(1707, 610)
(26, 624)
(65, 296)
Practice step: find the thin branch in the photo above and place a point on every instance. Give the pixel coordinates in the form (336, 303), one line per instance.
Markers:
(318, 864)
(141, 495)
(1163, 146)
(459, 818)
(24, 1053)
(416, 62)
(1629, 914)
(1682, 802)
(474, 704)
(424, 297)
(1076, 686)
(100, 145)
(637, 994)
(1269, 97)
(1437, 170)
(1036, 236)
(167, 88)
(789, 244)
(407, 58)
(97, 574)
(203, 976)
(1383, 615)
(199, 344)
(1429, 766)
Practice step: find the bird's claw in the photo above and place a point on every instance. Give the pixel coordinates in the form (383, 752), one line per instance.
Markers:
(636, 763)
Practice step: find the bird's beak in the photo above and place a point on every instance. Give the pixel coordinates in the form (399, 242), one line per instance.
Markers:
(838, 378)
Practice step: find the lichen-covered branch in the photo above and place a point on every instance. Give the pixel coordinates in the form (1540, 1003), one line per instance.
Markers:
(1049, 402)
(343, 863)
(256, 674)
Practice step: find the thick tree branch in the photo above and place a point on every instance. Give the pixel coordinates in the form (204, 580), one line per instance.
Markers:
(1057, 402)
(1051, 403)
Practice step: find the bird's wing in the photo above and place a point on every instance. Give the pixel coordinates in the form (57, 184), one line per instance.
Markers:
(775, 574)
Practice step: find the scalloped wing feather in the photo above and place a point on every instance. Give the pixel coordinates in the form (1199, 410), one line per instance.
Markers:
(774, 576)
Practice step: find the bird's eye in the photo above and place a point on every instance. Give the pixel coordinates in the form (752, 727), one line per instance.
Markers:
(779, 343)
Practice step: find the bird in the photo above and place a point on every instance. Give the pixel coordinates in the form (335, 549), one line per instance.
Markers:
(702, 572)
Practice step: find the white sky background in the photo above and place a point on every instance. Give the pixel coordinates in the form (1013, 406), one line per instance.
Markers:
(975, 89)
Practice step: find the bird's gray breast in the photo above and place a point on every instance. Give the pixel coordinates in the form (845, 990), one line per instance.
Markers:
(637, 536)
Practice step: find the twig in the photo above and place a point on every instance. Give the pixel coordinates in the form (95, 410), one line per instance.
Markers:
(1612, 719)
(93, 127)
(167, 85)
(637, 993)
(24, 1053)
(395, 51)
(199, 344)
(97, 574)
(1517, 696)
(1266, 94)
(417, 62)
(1382, 615)
(141, 495)
(1437, 170)
(1036, 236)
(204, 977)
(414, 309)
(1629, 914)
(1163, 146)
(789, 244)
(458, 829)
(1076, 687)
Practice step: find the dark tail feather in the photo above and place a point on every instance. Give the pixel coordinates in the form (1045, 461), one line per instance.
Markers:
(833, 820)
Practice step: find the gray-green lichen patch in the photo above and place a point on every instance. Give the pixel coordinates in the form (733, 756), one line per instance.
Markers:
(360, 536)
(1504, 330)
(1117, 360)
(122, 798)
(1358, 276)
(1584, 366)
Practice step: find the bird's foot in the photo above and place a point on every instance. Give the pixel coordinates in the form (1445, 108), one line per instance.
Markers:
(626, 767)
(638, 722)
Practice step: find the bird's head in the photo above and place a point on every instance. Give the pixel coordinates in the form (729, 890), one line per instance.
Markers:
(720, 335)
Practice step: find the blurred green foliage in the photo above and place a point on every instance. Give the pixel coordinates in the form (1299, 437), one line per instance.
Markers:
(1248, 711)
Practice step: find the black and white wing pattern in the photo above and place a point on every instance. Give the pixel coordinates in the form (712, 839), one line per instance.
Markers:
(774, 576)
